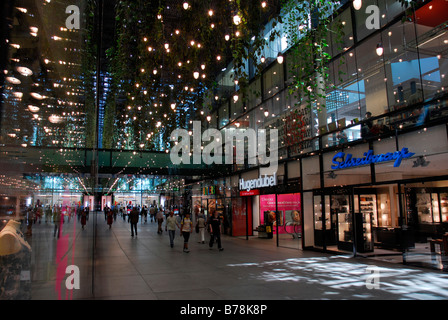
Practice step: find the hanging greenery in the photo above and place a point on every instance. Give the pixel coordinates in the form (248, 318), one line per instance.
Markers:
(165, 58)
(310, 30)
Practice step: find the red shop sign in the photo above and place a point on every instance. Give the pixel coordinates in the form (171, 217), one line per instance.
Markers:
(249, 193)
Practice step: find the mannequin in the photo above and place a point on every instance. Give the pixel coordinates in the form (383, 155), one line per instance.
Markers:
(11, 239)
(15, 263)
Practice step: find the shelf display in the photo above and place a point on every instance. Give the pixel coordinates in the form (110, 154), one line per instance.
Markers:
(424, 208)
(444, 206)
(318, 216)
(368, 205)
(340, 207)
(364, 241)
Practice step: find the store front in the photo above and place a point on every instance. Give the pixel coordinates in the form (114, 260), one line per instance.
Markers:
(386, 200)
(268, 210)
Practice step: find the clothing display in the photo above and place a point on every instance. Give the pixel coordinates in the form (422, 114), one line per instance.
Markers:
(15, 264)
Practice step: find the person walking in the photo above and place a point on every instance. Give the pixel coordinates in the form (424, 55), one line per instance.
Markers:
(133, 219)
(159, 218)
(83, 218)
(201, 225)
(214, 224)
(57, 220)
(170, 226)
(186, 228)
(110, 218)
(152, 213)
(145, 213)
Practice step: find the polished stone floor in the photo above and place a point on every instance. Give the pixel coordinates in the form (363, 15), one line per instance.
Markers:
(115, 266)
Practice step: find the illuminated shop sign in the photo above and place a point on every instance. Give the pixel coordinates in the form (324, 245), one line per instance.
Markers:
(343, 161)
(261, 182)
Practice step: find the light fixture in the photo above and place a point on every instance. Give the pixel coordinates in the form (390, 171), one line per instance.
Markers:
(262, 59)
(357, 4)
(196, 74)
(236, 19)
(209, 118)
(173, 106)
(235, 97)
(266, 113)
(263, 4)
(280, 58)
(227, 37)
(186, 5)
(13, 80)
(24, 71)
(210, 12)
(379, 49)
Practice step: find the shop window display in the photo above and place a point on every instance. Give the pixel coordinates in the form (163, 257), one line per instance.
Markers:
(282, 212)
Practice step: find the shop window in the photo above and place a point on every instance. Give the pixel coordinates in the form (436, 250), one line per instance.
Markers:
(372, 78)
(273, 80)
(431, 43)
(223, 115)
(402, 65)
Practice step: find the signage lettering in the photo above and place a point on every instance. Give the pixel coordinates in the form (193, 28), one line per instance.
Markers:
(267, 181)
(342, 161)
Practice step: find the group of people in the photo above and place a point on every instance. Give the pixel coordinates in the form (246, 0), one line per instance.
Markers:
(186, 229)
(56, 214)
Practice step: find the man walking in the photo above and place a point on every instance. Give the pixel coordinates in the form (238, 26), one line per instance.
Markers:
(171, 223)
(133, 219)
(214, 224)
(159, 218)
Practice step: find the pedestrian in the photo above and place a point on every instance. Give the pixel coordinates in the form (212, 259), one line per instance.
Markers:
(57, 220)
(145, 213)
(159, 218)
(186, 228)
(83, 218)
(115, 213)
(133, 219)
(110, 218)
(152, 213)
(214, 224)
(170, 226)
(200, 226)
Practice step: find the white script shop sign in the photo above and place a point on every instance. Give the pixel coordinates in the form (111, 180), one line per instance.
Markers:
(261, 182)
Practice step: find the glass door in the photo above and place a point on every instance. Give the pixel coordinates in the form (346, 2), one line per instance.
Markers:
(322, 220)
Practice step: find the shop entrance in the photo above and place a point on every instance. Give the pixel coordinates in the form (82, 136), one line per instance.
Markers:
(360, 221)
(426, 222)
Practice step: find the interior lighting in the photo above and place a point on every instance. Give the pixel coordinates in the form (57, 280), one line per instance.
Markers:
(379, 49)
(357, 4)
(236, 19)
(280, 58)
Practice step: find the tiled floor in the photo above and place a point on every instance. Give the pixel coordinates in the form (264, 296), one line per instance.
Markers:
(113, 265)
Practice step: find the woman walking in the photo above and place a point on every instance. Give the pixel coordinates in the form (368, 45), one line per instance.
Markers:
(186, 228)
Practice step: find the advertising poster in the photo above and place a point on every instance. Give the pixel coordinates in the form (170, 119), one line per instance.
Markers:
(286, 212)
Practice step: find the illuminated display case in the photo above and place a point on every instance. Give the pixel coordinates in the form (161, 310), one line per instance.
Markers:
(340, 206)
(364, 234)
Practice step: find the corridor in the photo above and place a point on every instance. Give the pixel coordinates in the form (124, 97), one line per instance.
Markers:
(114, 266)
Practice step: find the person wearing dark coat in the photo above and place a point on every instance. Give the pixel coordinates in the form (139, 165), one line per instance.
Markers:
(133, 220)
